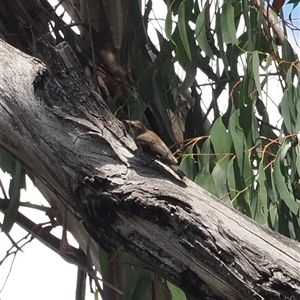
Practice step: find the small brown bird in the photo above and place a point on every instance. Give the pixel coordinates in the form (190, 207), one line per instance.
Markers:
(152, 144)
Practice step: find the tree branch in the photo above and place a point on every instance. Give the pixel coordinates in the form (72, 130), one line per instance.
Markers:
(62, 131)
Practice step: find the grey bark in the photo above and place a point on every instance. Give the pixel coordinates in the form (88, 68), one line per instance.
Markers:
(53, 122)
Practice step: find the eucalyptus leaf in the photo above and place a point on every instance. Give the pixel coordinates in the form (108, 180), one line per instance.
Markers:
(227, 23)
(281, 180)
(222, 143)
(15, 186)
(143, 283)
(255, 69)
(177, 293)
(201, 36)
(182, 24)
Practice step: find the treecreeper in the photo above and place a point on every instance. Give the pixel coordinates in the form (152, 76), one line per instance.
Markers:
(152, 144)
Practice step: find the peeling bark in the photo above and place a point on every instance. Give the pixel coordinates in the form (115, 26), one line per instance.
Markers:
(53, 122)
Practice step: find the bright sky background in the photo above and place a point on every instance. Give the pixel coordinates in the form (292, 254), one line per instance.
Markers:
(39, 273)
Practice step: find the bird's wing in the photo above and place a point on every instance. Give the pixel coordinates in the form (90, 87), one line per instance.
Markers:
(151, 143)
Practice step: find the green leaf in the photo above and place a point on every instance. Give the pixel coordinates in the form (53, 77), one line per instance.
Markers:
(177, 293)
(220, 180)
(114, 12)
(206, 181)
(247, 21)
(227, 23)
(221, 42)
(135, 13)
(144, 281)
(239, 195)
(262, 190)
(256, 209)
(188, 164)
(182, 22)
(129, 279)
(222, 143)
(168, 24)
(232, 186)
(239, 143)
(7, 163)
(274, 219)
(190, 65)
(191, 72)
(180, 54)
(255, 134)
(289, 57)
(161, 105)
(298, 160)
(282, 180)
(290, 106)
(237, 134)
(283, 221)
(201, 36)
(103, 261)
(286, 113)
(144, 76)
(137, 108)
(246, 105)
(255, 69)
(14, 202)
(205, 156)
(293, 2)
(96, 295)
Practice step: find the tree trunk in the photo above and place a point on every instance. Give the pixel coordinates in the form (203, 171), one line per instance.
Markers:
(55, 124)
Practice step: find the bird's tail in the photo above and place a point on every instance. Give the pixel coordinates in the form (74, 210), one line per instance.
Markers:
(176, 169)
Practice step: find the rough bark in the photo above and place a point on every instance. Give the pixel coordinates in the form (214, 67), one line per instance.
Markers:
(53, 122)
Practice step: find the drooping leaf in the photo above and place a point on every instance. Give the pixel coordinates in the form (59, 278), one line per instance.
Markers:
(222, 143)
(290, 106)
(161, 104)
(180, 53)
(246, 104)
(205, 156)
(188, 164)
(137, 108)
(206, 181)
(168, 24)
(182, 24)
(247, 21)
(281, 179)
(239, 143)
(221, 42)
(177, 293)
(289, 59)
(14, 195)
(262, 190)
(103, 260)
(255, 70)
(273, 217)
(129, 281)
(232, 185)
(220, 180)
(190, 65)
(114, 12)
(143, 283)
(201, 36)
(256, 209)
(227, 23)
(238, 192)
(134, 13)
(7, 163)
